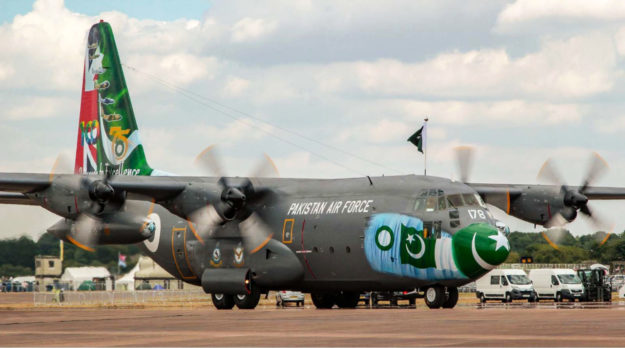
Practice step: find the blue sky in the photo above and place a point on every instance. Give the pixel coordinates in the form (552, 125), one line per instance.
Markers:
(161, 10)
(520, 80)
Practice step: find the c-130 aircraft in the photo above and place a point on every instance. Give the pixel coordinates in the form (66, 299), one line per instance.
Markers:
(240, 237)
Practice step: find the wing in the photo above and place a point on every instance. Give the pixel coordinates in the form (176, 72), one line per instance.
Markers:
(15, 186)
(539, 203)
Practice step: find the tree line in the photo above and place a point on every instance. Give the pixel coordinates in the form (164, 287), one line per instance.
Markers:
(17, 256)
(571, 249)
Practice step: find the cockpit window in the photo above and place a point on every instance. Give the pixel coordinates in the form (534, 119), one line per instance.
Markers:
(473, 199)
(469, 199)
(455, 201)
(419, 204)
(441, 203)
(430, 200)
(431, 203)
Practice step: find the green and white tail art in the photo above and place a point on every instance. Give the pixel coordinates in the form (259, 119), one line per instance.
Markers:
(108, 137)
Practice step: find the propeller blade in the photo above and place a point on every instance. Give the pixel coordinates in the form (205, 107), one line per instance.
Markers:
(62, 165)
(554, 236)
(556, 221)
(208, 160)
(600, 223)
(206, 219)
(84, 233)
(464, 160)
(255, 232)
(598, 167)
(266, 168)
(549, 173)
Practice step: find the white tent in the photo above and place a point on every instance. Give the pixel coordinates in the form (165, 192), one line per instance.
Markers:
(127, 282)
(76, 275)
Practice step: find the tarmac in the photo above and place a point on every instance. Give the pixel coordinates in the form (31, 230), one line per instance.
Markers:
(518, 324)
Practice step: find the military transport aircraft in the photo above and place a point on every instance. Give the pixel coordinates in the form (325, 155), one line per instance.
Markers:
(240, 237)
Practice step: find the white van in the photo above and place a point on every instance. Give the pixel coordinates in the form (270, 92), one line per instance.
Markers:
(505, 285)
(557, 284)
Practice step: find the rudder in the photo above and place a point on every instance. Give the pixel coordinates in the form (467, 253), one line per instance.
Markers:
(108, 136)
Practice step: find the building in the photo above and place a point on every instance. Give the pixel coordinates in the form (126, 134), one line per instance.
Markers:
(48, 270)
(100, 276)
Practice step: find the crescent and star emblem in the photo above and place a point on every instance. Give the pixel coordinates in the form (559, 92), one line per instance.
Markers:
(421, 250)
(501, 242)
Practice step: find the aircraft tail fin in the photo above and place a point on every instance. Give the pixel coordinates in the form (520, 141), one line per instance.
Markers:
(108, 136)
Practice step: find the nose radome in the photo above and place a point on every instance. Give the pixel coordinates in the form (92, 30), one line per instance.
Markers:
(478, 248)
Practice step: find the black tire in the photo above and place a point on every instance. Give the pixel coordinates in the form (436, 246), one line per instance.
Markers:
(248, 301)
(412, 301)
(482, 298)
(452, 298)
(323, 300)
(347, 299)
(222, 301)
(434, 296)
(558, 297)
(508, 298)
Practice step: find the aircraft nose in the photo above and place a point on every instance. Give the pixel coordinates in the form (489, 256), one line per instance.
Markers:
(478, 248)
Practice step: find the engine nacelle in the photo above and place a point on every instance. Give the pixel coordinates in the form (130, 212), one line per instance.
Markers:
(229, 281)
(119, 228)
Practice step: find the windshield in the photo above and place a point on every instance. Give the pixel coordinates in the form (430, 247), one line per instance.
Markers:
(569, 279)
(519, 279)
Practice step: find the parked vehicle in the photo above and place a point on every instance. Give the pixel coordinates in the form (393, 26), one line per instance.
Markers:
(286, 296)
(596, 285)
(505, 285)
(557, 284)
(394, 296)
(616, 281)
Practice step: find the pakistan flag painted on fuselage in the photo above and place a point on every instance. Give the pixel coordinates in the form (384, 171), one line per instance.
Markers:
(108, 137)
(395, 244)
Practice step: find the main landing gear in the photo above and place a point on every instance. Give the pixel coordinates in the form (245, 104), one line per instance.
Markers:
(327, 300)
(437, 296)
(242, 301)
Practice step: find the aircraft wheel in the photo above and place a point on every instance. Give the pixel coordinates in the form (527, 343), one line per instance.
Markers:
(323, 300)
(248, 301)
(452, 298)
(222, 301)
(434, 296)
(347, 299)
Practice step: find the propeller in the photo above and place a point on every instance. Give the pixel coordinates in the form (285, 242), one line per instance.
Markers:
(464, 161)
(574, 199)
(93, 195)
(85, 232)
(238, 201)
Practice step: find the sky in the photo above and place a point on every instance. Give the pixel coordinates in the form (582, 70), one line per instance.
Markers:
(329, 88)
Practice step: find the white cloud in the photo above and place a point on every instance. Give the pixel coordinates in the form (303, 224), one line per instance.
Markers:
(40, 107)
(251, 29)
(522, 11)
(235, 86)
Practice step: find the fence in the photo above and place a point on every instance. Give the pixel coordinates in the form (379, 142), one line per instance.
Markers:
(73, 298)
